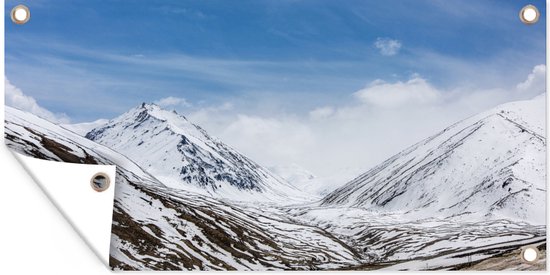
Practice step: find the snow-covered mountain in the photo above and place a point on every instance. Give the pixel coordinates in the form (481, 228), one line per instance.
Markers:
(489, 165)
(156, 227)
(182, 155)
(30, 135)
(160, 228)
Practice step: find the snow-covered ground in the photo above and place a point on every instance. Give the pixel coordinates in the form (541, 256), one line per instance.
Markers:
(401, 243)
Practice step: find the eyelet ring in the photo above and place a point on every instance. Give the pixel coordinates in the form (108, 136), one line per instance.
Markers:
(530, 254)
(529, 15)
(20, 14)
(100, 182)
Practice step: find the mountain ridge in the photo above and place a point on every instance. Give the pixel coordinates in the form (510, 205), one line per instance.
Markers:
(493, 162)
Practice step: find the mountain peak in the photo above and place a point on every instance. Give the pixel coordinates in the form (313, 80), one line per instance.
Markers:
(146, 110)
(184, 156)
(149, 106)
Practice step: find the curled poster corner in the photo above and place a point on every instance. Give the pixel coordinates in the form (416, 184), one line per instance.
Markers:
(68, 187)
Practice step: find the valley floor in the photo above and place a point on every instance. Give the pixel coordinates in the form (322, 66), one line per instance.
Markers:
(388, 241)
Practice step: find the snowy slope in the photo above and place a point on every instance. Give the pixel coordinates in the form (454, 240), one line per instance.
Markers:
(159, 228)
(167, 229)
(182, 155)
(489, 165)
(34, 136)
(85, 127)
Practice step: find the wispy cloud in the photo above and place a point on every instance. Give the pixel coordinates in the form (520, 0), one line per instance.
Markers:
(536, 80)
(300, 74)
(414, 91)
(17, 99)
(74, 85)
(172, 101)
(387, 46)
(384, 118)
(177, 10)
(321, 112)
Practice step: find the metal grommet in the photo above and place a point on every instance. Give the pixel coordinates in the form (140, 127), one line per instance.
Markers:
(100, 182)
(20, 14)
(529, 15)
(530, 254)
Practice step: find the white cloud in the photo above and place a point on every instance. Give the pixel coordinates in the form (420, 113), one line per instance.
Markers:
(211, 115)
(278, 140)
(415, 91)
(338, 142)
(536, 80)
(17, 99)
(172, 102)
(321, 113)
(387, 46)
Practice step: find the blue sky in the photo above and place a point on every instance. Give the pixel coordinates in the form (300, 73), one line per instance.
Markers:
(73, 54)
(333, 87)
